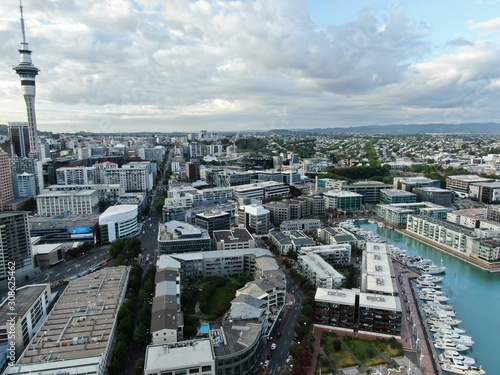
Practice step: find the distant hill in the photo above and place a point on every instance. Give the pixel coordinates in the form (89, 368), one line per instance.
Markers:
(471, 128)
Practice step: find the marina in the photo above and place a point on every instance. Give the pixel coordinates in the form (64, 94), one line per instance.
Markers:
(463, 288)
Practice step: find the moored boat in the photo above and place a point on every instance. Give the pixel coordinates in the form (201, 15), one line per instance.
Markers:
(449, 355)
(450, 345)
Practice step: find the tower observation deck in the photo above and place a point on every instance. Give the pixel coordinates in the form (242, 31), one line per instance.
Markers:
(27, 72)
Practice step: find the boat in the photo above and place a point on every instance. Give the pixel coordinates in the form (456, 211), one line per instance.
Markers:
(449, 355)
(430, 278)
(450, 321)
(437, 326)
(450, 345)
(461, 368)
(455, 337)
(427, 284)
(432, 269)
(438, 305)
(430, 296)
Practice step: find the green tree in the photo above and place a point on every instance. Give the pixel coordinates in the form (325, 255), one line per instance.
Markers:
(139, 367)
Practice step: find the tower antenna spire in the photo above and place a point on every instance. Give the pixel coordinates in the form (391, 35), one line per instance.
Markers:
(22, 22)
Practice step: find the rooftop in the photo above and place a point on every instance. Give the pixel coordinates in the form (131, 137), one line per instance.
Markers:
(25, 297)
(232, 236)
(180, 355)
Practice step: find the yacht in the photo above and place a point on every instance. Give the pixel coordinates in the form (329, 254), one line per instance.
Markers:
(430, 278)
(450, 321)
(449, 355)
(438, 305)
(432, 269)
(427, 284)
(455, 337)
(437, 326)
(461, 368)
(450, 345)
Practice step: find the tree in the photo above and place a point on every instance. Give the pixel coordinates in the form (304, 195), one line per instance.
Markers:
(141, 333)
(337, 345)
(139, 367)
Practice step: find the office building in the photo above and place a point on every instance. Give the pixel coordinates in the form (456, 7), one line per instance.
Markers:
(434, 195)
(390, 196)
(411, 183)
(31, 308)
(6, 191)
(213, 220)
(370, 190)
(180, 237)
(20, 165)
(485, 192)
(76, 176)
(462, 183)
(255, 218)
(19, 139)
(342, 200)
(24, 185)
(65, 203)
(119, 222)
(15, 244)
(236, 238)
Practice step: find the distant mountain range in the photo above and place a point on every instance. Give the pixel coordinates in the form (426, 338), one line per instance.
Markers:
(469, 128)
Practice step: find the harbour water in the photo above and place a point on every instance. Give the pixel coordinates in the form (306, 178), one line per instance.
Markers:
(475, 295)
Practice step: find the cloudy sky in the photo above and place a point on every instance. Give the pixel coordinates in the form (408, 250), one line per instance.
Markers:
(185, 65)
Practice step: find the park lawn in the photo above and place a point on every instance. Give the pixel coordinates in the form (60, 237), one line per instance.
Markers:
(340, 359)
(385, 347)
(364, 351)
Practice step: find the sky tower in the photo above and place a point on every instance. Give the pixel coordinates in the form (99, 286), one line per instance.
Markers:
(27, 71)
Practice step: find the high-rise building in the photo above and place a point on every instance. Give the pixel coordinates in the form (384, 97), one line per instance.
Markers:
(15, 244)
(28, 165)
(19, 139)
(27, 72)
(6, 192)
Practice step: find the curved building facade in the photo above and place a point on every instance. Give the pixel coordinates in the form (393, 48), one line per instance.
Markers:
(118, 222)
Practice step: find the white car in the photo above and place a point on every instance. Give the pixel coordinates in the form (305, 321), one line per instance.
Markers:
(273, 346)
(266, 363)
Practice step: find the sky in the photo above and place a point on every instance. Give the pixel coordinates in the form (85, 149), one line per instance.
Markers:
(115, 66)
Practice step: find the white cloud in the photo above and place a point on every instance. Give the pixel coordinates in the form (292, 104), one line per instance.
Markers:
(226, 64)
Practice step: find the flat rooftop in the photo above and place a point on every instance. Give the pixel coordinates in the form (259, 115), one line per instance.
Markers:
(179, 355)
(232, 235)
(42, 222)
(80, 325)
(231, 337)
(25, 297)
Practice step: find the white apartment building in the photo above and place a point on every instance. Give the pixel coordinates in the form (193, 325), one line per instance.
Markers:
(255, 218)
(133, 177)
(318, 272)
(61, 203)
(76, 175)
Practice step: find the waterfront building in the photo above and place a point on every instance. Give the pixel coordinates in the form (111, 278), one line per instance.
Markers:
(442, 197)
(377, 272)
(339, 235)
(380, 314)
(342, 200)
(370, 190)
(31, 308)
(462, 183)
(79, 334)
(15, 245)
(469, 218)
(232, 239)
(335, 308)
(179, 237)
(392, 196)
(64, 203)
(454, 237)
(119, 222)
(394, 215)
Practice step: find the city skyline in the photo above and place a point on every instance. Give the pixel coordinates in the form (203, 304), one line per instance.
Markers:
(126, 65)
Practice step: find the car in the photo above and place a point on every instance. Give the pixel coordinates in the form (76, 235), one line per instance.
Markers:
(270, 355)
(273, 346)
(266, 363)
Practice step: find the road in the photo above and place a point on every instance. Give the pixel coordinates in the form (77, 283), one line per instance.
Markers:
(287, 328)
